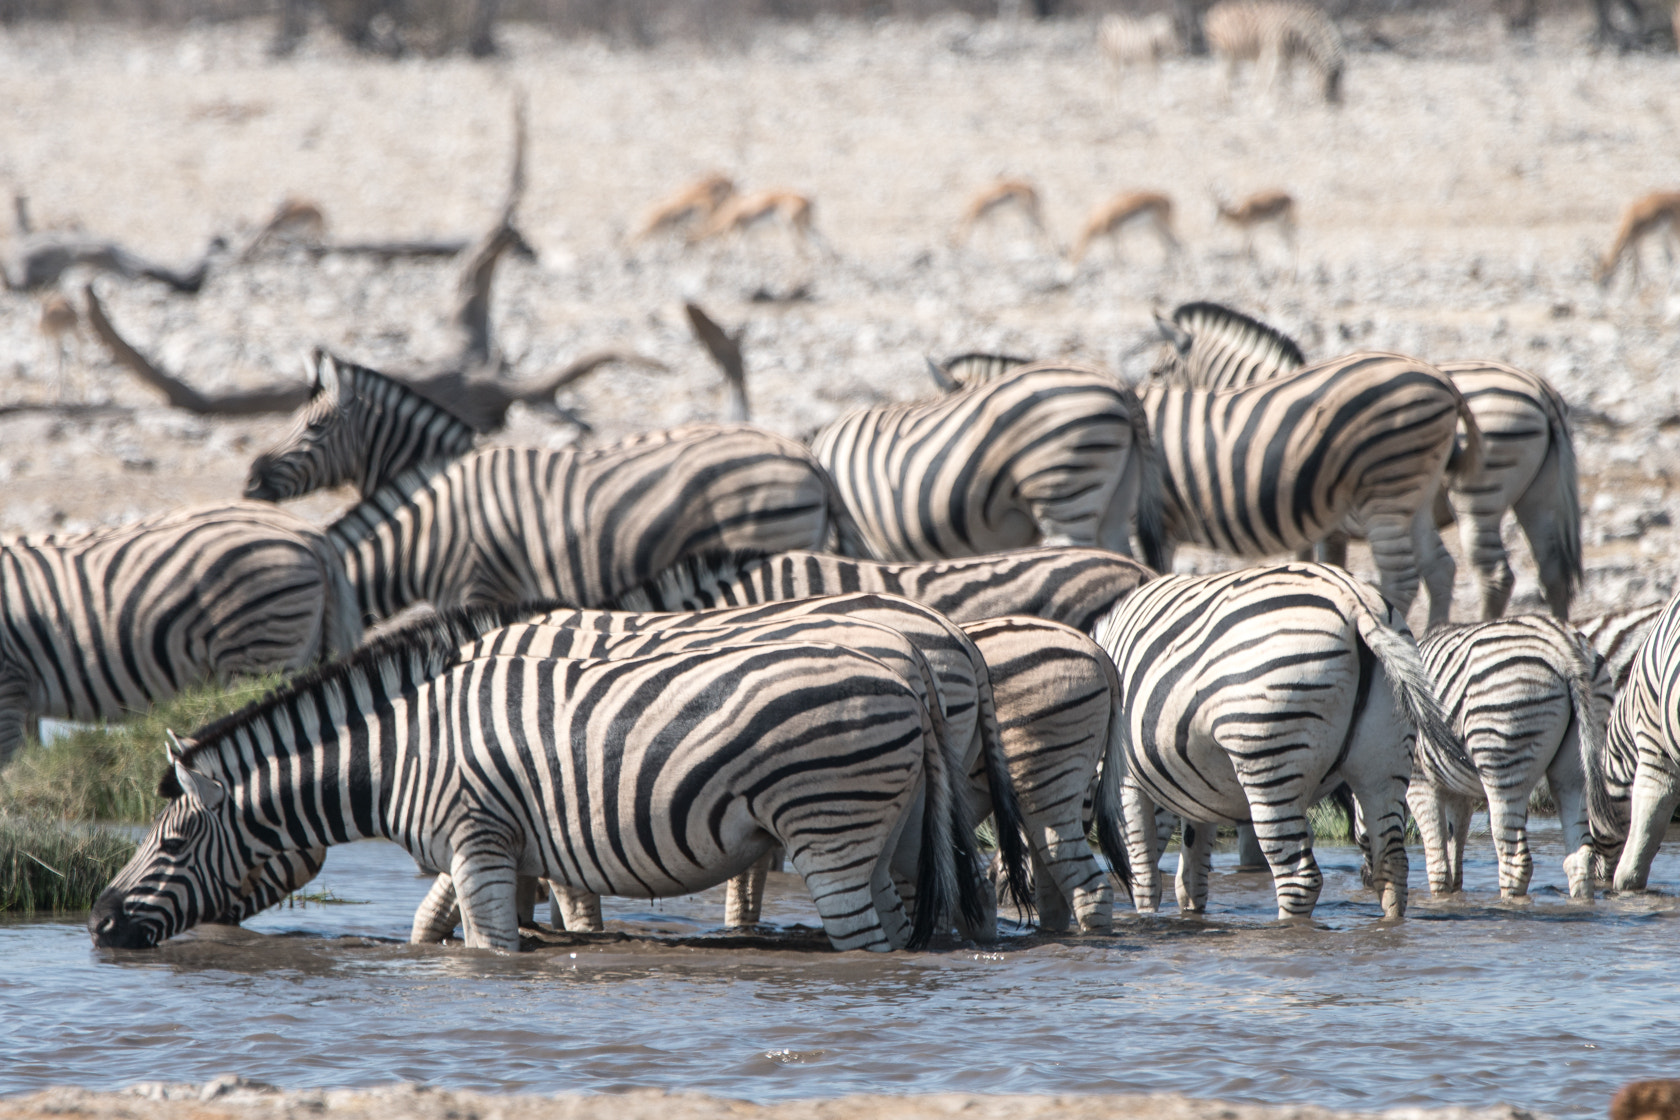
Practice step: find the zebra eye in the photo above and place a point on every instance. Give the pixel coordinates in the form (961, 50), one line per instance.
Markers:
(173, 845)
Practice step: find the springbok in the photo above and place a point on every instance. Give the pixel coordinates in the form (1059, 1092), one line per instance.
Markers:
(1133, 208)
(1656, 213)
(60, 326)
(994, 197)
(1273, 208)
(694, 203)
(743, 211)
(295, 221)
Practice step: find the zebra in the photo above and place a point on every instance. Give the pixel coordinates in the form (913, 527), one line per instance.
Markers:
(1618, 636)
(1642, 758)
(818, 748)
(1527, 464)
(1128, 40)
(1521, 692)
(960, 692)
(1051, 454)
(512, 524)
(97, 625)
(1273, 33)
(1074, 586)
(1249, 695)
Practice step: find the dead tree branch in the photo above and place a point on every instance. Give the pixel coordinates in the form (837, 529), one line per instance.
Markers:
(725, 350)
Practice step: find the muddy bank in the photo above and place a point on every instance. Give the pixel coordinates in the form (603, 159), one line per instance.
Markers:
(232, 1098)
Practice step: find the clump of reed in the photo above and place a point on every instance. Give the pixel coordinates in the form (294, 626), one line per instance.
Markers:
(54, 866)
(110, 772)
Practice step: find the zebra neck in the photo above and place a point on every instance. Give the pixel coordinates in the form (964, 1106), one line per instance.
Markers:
(399, 544)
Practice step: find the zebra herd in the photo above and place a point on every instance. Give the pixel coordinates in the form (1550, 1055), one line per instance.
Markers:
(651, 666)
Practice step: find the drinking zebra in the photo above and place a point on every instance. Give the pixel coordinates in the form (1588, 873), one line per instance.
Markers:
(1050, 454)
(1522, 695)
(101, 624)
(1249, 695)
(1527, 463)
(1272, 34)
(1642, 757)
(637, 777)
(1618, 636)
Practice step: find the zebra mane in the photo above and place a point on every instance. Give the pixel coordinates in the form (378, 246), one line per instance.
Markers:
(443, 391)
(687, 574)
(423, 649)
(1216, 322)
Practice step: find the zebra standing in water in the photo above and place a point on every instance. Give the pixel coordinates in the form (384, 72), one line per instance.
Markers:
(1618, 637)
(1250, 695)
(488, 768)
(1527, 463)
(1272, 34)
(1050, 454)
(101, 624)
(1522, 694)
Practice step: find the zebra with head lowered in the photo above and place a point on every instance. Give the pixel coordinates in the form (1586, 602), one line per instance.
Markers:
(1049, 454)
(1525, 695)
(101, 624)
(637, 777)
(1272, 34)
(1527, 461)
(1249, 695)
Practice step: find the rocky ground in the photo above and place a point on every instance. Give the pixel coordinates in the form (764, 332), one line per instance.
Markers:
(1451, 209)
(232, 1098)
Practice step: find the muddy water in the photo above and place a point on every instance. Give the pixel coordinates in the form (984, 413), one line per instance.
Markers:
(1545, 1004)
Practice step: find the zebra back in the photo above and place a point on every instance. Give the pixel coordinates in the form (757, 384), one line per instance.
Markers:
(1642, 724)
(1254, 29)
(975, 368)
(1074, 586)
(1215, 347)
(360, 426)
(1619, 636)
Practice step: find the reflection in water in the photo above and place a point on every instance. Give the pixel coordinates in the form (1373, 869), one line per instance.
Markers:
(1544, 1003)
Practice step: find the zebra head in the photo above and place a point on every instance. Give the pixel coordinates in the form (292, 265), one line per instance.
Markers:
(359, 426)
(190, 868)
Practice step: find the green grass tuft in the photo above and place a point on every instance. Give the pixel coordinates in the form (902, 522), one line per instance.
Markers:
(111, 773)
(50, 865)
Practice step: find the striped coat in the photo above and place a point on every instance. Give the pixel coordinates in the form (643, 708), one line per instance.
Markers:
(505, 525)
(637, 777)
(1642, 757)
(1050, 454)
(1272, 34)
(102, 624)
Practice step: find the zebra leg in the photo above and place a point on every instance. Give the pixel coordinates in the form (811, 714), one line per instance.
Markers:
(1569, 790)
(486, 889)
(525, 897)
(1195, 864)
(1067, 872)
(1143, 847)
(1656, 790)
(15, 720)
(1394, 550)
(1287, 843)
(845, 901)
(1049, 900)
(1381, 808)
(1250, 856)
(1436, 564)
(888, 904)
(1508, 821)
(437, 915)
(1478, 533)
(745, 901)
(573, 909)
(1429, 808)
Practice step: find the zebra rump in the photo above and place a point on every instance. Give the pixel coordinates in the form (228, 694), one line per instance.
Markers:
(104, 623)
(1642, 758)
(407, 742)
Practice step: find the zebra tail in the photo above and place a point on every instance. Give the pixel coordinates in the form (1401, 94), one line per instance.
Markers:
(1151, 519)
(1466, 457)
(1568, 498)
(341, 609)
(941, 882)
(1006, 808)
(1590, 733)
(848, 535)
(1111, 826)
(1441, 754)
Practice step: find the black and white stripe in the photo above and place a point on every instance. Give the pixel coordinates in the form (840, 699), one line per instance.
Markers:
(99, 625)
(506, 525)
(1249, 695)
(1049, 454)
(634, 777)
(1521, 694)
(1272, 34)
(1618, 637)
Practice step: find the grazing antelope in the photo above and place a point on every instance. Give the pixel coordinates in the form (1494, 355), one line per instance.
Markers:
(1133, 40)
(990, 199)
(1134, 208)
(742, 211)
(295, 221)
(1658, 212)
(694, 203)
(1272, 34)
(1273, 208)
(60, 325)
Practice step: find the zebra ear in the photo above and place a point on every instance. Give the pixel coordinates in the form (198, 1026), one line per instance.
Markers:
(175, 748)
(323, 373)
(1173, 333)
(203, 791)
(940, 377)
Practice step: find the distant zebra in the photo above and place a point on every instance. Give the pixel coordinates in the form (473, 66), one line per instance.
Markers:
(1618, 636)
(1644, 731)
(1521, 693)
(1250, 695)
(1527, 462)
(101, 624)
(1073, 586)
(505, 525)
(1050, 454)
(489, 768)
(1272, 34)
(1128, 40)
